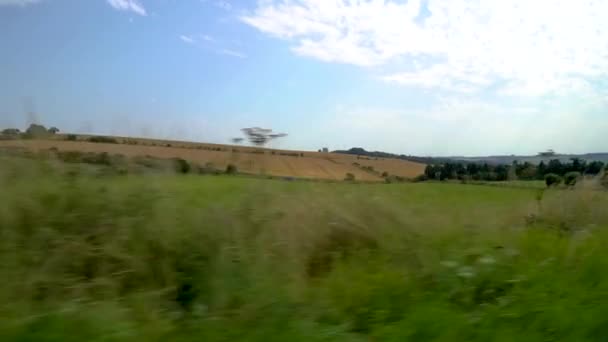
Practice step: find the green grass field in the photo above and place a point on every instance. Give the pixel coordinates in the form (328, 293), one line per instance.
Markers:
(88, 257)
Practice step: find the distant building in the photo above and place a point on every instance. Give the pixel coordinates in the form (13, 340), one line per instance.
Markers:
(547, 153)
(325, 150)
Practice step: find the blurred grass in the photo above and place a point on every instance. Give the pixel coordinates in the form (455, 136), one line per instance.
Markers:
(161, 257)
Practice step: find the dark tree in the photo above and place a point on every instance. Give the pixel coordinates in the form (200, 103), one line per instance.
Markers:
(260, 136)
(541, 170)
(555, 166)
(11, 131)
(594, 168)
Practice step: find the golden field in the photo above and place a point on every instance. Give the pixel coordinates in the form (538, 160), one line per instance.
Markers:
(251, 160)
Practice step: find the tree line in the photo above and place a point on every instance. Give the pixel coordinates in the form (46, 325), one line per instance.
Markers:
(358, 151)
(502, 172)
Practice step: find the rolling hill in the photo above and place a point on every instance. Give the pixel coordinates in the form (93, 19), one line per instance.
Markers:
(251, 160)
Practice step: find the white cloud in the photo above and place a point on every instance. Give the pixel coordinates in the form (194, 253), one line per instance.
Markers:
(128, 5)
(17, 2)
(210, 43)
(187, 39)
(231, 53)
(534, 47)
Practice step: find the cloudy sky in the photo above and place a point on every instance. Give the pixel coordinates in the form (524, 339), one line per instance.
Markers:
(424, 77)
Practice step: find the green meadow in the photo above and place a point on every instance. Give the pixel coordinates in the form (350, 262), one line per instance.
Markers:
(88, 256)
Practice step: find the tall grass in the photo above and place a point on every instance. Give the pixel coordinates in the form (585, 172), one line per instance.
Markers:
(93, 257)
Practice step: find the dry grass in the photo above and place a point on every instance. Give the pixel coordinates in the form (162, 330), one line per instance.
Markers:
(312, 165)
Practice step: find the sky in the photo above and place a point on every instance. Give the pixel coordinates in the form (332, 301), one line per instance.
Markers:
(419, 77)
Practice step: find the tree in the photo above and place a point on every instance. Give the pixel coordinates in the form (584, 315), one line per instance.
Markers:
(526, 171)
(53, 130)
(555, 166)
(551, 179)
(237, 141)
(541, 170)
(594, 168)
(430, 171)
(11, 131)
(577, 165)
(260, 136)
(35, 131)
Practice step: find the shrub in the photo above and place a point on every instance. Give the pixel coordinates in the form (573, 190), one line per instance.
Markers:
(97, 158)
(103, 140)
(571, 178)
(384, 174)
(208, 168)
(421, 178)
(551, 179)
(70, 156)
(71, 137)
(181, 166)
(231, 169)
(349, 177)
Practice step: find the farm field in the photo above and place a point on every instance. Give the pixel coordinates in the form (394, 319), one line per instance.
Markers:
(299, 164)
(167, 257)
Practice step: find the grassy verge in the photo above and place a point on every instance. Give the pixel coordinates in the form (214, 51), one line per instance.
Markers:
(167, 257)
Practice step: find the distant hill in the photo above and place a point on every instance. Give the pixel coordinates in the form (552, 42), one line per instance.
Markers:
(603, 157)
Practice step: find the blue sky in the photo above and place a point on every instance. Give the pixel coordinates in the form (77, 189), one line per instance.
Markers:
(432, 77)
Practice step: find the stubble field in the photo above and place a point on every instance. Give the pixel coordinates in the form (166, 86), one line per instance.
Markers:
(297, 164)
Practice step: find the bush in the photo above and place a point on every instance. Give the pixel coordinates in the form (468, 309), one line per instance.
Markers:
(551, 179)
(102, 158)
(384, 174)
(207, 169)
(181, 166)
(70, 156)
(231, 169)
(571, 178)
(421, 178)
(71, 137)
(349, 177)
(604, 180)
(102, 140)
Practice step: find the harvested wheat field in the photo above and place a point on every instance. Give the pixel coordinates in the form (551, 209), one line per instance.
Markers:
(298, 164)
